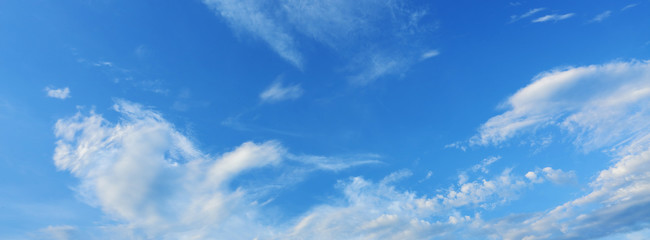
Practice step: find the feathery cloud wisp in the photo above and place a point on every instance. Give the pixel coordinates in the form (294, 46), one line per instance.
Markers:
(279, 92)
(602, 16)
(530, 13)
(553, 17)
(350, 28)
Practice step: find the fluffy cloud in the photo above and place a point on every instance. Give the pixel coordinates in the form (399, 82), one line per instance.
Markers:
(154, 183)
(380, 211)
(278, 92)
(602, 107)
(350, 28)
(60, 93)
(143, 173)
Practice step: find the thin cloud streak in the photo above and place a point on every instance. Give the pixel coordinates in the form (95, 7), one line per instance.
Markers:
(279, 92)
(553, 17)
(602, 16)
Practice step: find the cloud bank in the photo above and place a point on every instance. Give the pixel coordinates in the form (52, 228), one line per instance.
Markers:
(154, 183)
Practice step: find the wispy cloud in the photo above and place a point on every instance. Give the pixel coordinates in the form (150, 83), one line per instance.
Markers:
(429, 54)
(350, 28)
(629, 6)
(256, 18)
(277, 91)
(484, 164)
(60, 93)
(530, 13)
(602, 16)
(553, 17)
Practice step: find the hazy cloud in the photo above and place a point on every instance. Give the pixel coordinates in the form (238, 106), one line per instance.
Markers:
(60, 93)
(277, 91)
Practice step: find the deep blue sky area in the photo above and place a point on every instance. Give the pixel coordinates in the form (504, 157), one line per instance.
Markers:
(324, 119)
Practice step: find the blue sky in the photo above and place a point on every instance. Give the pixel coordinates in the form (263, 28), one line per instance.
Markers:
(288, 119)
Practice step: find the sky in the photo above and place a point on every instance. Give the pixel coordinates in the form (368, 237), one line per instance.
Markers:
(324, 119)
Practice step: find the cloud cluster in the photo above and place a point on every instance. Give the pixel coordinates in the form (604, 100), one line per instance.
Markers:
(146, 175)
(155, 183)
(350, 28)
(602, 107)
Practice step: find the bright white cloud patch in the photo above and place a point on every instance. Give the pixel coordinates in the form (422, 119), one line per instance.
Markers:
(351, 28)
(278, 92)
(60, 93)
(553, 17)
(601, 106)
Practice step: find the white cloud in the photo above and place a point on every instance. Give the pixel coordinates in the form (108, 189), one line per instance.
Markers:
(484, 164)
(146, 175)
(250, 16)
(379, 211)
(532, 176)
(350, 28)
(601, 106)
(553, 17)
(530, 13)
(602, 16)
(556, 176)
(278, 92)
(60, 93)
(150, 177)
(429, 54)
(629, 6)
